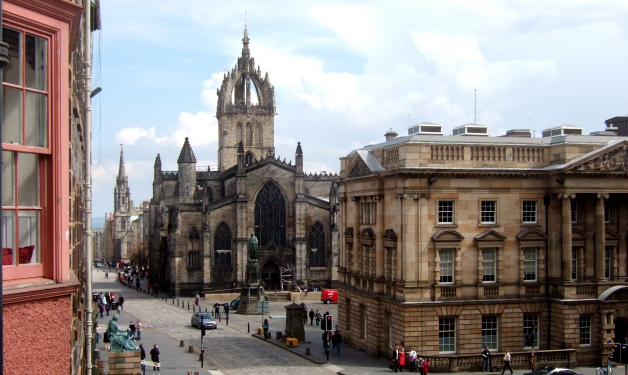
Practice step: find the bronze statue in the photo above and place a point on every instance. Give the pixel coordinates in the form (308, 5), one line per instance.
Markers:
(253, 247)
(119, 339)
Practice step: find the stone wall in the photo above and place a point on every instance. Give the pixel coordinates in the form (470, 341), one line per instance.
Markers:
(125, 363)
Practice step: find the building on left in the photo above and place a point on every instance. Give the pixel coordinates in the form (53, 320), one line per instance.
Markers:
(43, 177)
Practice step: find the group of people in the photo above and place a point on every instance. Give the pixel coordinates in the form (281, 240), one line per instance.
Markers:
(225, 307)
(107, 301)
(154, 355)
(416, 364)
(335, 340)
(314, 315)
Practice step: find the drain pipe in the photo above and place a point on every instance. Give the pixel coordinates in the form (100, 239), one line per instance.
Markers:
(87, 53)
(546, 203)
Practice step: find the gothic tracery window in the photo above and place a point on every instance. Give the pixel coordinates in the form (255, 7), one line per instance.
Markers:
(270, 216)
(249, 134)
(194, 248)
(316, 245)
(248, 159)
(222, 246)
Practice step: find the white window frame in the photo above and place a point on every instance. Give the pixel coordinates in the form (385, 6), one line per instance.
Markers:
(450, 211)
(528, 211)
(488, 208)
(528, 321)
(585, 330)
(446, 331)
(447, 258)
(490, 330)
(528, 263)
(489, 264)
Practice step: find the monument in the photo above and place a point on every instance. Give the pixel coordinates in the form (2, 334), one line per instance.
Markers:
(252, 290)
(120, 340)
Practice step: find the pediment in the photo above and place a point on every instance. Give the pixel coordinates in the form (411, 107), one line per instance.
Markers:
(389, 234)
(367, 232)
(490, 235)
(578, 235)
(349, 231)
(447, 235)
(613, 158)
(531, 234)
(358, 168)
(610, 235)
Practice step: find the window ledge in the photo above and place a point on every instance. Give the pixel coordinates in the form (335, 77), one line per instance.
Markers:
(488, 225)
(537, 225)
(318, 268)
(27, 290)
(446, 225)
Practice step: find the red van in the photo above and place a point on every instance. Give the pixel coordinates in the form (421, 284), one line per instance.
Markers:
(329, 296)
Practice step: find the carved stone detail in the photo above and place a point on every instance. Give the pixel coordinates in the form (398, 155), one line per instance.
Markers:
(616, 160)
(566, 195)
(359, 169)
(602, 195)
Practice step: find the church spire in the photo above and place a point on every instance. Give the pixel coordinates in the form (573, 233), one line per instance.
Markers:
(245, 44)
(121, 170)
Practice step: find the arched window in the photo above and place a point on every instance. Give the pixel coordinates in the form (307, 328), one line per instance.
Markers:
(248, 159)
(222, 246)
(194, 248)
(249, 134)
(270, 216)
(316, 244)
(238, 134)
(258, 135)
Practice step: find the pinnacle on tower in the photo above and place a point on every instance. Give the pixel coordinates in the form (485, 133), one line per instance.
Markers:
(121, 170)
(186, 155)
(245, 44)
(157, 160)
(299, 150)
(240, 148)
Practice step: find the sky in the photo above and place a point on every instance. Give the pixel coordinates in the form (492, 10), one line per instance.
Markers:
(345, 73)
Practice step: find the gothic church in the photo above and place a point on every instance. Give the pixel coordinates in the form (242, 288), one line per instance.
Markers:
(200, 219)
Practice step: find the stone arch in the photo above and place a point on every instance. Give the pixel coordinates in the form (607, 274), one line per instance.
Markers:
(249, 134)
(239, 134)
(258, 139)
(222, 245)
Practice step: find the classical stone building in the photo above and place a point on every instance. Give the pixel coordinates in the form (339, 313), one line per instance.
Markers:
(451, 243)
(199, 220)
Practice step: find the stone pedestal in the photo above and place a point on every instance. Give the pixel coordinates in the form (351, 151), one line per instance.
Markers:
(126, 362)
(250, 295)
(294, 322)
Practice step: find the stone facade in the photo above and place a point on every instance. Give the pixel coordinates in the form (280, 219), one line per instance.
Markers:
(452, 242)
(199, 220)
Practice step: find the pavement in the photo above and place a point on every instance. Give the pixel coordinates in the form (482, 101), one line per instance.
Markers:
(234, 347)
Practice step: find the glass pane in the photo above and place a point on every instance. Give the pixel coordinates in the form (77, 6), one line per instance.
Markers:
(35, 124)
(28, 180)
(12, 72)
(8, 238)
(8, 179)
(11, 115)
(29, 237)
(35, 67)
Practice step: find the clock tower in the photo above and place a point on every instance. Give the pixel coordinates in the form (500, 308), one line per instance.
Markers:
(121, 215)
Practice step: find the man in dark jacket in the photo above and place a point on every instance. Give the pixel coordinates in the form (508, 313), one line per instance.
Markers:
(132, 328)
(121, 300)
(142, 354)
(154, 356)
(336, 339)
(312, 317)
(395, 358)
(486, 359)
(326, 340)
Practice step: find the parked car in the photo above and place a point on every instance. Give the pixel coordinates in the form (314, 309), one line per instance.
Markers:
(208, 321)
(329, 296)
(236, 302)
(549, 370)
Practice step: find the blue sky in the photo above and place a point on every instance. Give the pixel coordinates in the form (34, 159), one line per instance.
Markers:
(346, 72)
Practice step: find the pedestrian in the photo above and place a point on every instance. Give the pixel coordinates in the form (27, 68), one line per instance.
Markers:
(227, 310)
(101, 308)
(265, 328)
(154, 356)
(132, 328)
(137, 284)
(318, 317)
(121, 300)
(97, 330)
(196, 299)
(312, 315)
(402, 359)
(106, 274)
(507, 362)
(326, 341)
(119, 308)
(216, 310)
(304, 316)
(142, 355)
(336, 340)
(105, 340)
(138, 328)
(148, 287)
(419, 365)
(486, 359)
(395, 358)
(107, 308)
(412, 358)
(426, 364)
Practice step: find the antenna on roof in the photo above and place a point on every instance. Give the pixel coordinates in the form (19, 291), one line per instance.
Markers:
(475, 117)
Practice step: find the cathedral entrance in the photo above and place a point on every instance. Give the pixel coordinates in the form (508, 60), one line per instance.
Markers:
(270, 275)
(621, 330)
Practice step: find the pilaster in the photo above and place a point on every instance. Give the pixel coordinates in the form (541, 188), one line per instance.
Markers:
(600, 235)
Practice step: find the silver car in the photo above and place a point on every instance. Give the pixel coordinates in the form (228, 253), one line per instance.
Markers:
(208, 321)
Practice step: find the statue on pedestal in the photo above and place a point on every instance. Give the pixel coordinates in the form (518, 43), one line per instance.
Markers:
(253, 245)
(120, 340)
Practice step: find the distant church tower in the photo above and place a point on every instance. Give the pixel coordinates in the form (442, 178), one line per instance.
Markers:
(121, 214)
(245, 114)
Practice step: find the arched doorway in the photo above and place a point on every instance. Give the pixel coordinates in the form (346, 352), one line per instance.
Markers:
(621, 330)
(270, 275)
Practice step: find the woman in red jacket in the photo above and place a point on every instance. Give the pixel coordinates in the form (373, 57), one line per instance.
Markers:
(402, 359)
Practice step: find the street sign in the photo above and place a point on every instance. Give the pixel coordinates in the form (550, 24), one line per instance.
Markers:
(262, 306)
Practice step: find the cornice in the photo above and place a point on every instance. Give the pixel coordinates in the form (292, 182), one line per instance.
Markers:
(39, 292)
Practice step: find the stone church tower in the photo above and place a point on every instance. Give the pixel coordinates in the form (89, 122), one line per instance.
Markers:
(245, 112)
(122, 206)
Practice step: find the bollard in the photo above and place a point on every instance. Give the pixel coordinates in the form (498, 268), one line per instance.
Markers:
(206, 309)
(307, 351)
(200, 358)
(182, 344)
(191, 349)
(177, 302)
(193, 308)
(173, 301)
(188, 305)
(249, 327)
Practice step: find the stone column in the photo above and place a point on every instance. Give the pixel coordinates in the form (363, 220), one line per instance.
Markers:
(379, 241)
(356, 234)
(566, 233)
(600, 237)
(409, 239)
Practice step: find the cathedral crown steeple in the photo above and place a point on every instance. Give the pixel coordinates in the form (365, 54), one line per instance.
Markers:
(245, 44)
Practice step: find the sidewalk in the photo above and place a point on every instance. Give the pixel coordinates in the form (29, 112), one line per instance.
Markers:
(174, 359)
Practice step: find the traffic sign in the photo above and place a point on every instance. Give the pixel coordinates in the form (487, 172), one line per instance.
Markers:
(262, 306)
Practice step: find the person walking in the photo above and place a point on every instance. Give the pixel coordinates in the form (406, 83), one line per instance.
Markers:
(507, 362)
(227, 310)
(142, 355)
(97, 329)
(395, 358)
(326, 341)
(336, 340)
(216, 310)
(265, 328)
(119, 308)
(105, 340)
(132, 328)
(107, 308)
(154, 356)
(412, 358)
(318, 317)
(425, 366)
(486, 359)
(402, 359)
(304, 315)
(138, 328)
(312, 317)
(106, 274)
(121, 300)
(101, 308)
(197, 299)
